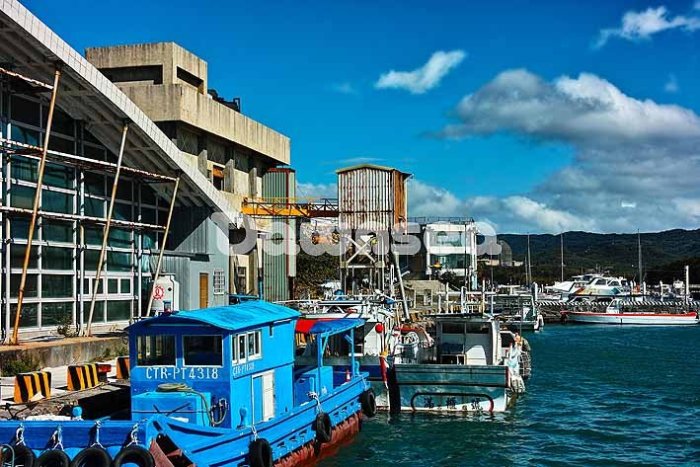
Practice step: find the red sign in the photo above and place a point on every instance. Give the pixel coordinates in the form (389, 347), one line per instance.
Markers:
(159, 292)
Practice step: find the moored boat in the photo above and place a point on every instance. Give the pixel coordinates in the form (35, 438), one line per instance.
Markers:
(465, 370)
(614, 314)
(218, 386)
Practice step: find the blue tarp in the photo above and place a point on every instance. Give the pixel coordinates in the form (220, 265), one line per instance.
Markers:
(231, 317)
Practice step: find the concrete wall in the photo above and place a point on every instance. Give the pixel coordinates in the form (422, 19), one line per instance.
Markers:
(167, 54)
(67, 351)
(176, 102)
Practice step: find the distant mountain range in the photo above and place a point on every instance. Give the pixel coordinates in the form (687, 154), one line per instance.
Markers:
(663, 254)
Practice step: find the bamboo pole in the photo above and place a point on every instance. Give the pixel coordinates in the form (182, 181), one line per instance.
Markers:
(105, 234)
(35, 208)
(162, 247)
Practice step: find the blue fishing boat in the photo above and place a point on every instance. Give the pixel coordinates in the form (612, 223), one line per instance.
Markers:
(212, 387)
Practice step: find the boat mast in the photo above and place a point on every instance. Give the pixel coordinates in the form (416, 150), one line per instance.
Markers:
(528, 267)
(561, 236)
(639, 257)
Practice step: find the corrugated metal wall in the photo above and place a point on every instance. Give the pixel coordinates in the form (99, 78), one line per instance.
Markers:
(277, 270)
(372, 198)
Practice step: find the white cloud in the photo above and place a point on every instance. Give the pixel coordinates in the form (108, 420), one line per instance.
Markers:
(671, 84)
(641, 25)
(424, 78)
(344, 88)
(568, 109)
(635, 162)
(427, 201)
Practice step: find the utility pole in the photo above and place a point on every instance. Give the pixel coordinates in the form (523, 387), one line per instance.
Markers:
(528, 266)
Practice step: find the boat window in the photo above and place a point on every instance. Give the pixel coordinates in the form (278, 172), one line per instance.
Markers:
(254, 345)
(155, 350)
(247, 346)
(452, 328)
(203, 350)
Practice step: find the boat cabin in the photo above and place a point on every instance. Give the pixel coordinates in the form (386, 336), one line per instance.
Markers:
(467, 340)
(229, 366)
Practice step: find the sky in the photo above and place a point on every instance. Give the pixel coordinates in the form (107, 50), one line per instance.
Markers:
(542, 116)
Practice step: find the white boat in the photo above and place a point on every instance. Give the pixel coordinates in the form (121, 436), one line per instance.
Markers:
(465, 370)
(614, 314)
(591, 285)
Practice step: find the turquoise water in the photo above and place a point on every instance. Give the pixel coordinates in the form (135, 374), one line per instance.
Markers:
(598, 396)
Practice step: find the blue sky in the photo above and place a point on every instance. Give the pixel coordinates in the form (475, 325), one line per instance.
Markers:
(311, 69)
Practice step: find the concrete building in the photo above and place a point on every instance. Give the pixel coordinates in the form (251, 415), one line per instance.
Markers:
(234, 152)
(202, 157)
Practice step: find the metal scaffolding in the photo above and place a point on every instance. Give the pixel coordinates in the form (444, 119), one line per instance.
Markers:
(42, 154)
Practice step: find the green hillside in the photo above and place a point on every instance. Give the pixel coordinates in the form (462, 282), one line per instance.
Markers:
(663, 254)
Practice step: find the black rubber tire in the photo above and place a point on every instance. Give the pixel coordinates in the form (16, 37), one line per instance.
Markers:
(53, 458)
(368, 401)
(134, 455)
(24, 457)
(260, 453)
(323, 427)
(94, 456)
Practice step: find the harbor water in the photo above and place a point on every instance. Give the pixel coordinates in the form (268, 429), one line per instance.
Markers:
(598, 396)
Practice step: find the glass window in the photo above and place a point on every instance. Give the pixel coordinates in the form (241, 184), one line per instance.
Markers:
(17, 256)
(56, 286)
(241, 348)
(53, 314)
(53, 201)
(254, 345)
(112, 287)
(203, 350)
(57, 258)
(119, 238)
(118, 261)
(125, 286)
(122, 211)
(94, 207)
(56, 143)
(62, 123)
(98, 314)
(22, 196)
(19, 228)
(24, 135)
(29, 316)
(57, 231)
(25, 111)
(58, 175)
(94, 152)
(94, 184)
(93, 236)
(155, 350)
(91, 259)
(25, 169)
(119, 311)
(30, 286)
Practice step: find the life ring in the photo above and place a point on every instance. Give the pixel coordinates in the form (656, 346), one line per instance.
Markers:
(260, 453)
(134, 455)
(93, 456)
(369, 403)
(323, 427)
(53, 458)
(23, 456)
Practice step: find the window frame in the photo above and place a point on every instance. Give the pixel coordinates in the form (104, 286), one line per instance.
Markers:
(184, 351)
(173, 336)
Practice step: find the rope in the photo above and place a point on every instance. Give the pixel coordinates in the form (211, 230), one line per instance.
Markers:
(57, 438)
(19, 435)
(182, 387)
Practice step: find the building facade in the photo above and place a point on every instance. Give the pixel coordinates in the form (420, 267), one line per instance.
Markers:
(200, 168)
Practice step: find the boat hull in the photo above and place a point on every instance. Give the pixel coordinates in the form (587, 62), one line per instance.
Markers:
(449, 388)
(651, 319)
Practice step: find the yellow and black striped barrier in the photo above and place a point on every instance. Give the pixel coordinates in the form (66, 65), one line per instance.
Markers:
(82, 377)
(123, 368)
(28, 385)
